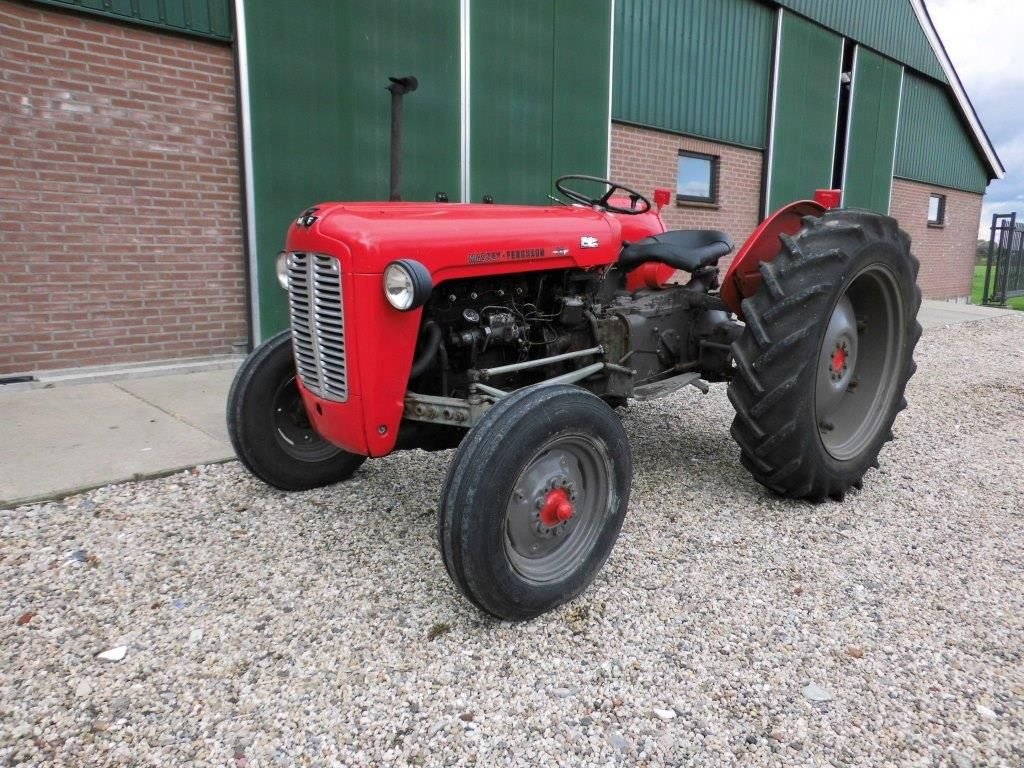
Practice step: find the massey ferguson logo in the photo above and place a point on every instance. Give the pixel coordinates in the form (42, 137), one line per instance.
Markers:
(489, 257)
(307, 219)
(588, 242)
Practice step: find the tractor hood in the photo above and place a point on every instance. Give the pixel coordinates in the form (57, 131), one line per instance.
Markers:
(458, 240)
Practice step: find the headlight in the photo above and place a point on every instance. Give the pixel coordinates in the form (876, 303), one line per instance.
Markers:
(282, 269)
(407, 284)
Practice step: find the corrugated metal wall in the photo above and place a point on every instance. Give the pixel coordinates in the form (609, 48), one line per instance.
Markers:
(317, 72)
(871, 142)
(934, 145)
(205, 18)
(806, 105)
(888, 26)
(701, 67)
(320, 114)
(513, 44)
(539, 95)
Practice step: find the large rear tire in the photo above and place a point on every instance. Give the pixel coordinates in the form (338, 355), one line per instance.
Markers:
(824, 361)
(270, 430)
(534, 500)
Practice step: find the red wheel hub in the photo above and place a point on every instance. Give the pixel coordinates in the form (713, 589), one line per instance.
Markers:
(838, 359)
(557, 508)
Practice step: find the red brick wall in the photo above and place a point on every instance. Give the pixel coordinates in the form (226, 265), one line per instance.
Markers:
(646, 159)
(119, 194)
(947, 253)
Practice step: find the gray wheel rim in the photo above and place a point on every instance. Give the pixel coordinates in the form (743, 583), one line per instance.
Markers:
(859, 366)
(292, 429)
(574, 465)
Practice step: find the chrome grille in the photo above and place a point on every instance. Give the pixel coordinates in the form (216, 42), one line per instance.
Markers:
(318, 327)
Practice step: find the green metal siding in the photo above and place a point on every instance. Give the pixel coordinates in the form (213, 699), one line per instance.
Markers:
(533, 117)
(888, 26)
(205, 18)
(511, 93)
(934, 146)
(700, 67)
(871, 144)
(580, 127)
(806, 102)
(320, 112)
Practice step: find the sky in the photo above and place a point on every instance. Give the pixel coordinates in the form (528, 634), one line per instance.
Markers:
(983, 39)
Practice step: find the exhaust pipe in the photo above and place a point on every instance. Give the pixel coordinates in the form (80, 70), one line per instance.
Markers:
(399, 87)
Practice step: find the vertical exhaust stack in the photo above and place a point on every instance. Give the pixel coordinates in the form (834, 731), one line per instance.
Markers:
(399, 87)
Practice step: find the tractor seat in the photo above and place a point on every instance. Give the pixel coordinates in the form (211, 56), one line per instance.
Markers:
(686, 249)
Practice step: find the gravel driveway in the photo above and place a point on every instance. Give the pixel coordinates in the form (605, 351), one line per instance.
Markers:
(729, 627)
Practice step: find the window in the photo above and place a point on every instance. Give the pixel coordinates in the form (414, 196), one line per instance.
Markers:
(697, 178)
(937, 210)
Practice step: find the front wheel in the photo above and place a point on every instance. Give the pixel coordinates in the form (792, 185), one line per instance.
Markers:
(270, 430)
(825, 358)
(534, 500)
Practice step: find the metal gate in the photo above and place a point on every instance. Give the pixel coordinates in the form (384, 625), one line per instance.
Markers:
(1004, 275)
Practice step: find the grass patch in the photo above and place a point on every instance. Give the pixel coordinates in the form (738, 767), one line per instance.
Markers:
(977, 290)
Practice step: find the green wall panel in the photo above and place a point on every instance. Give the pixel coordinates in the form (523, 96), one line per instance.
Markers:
(320, 112)
(700, 67)
(806, 104)
(538, 95)
(888, 26)
(871, 144)
(582, 56)
(204, 18)
(934, 145)
(511, 96)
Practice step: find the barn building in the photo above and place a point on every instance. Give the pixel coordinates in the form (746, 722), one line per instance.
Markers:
(153, 152)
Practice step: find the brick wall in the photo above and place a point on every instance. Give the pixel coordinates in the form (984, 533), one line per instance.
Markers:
(646, 159)
(119, 194)
(947, 253)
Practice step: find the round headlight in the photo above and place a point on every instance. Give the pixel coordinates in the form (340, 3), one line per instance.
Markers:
(282, 269)
(407, 284)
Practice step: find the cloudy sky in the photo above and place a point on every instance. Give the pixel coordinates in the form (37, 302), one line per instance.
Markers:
(983, 40)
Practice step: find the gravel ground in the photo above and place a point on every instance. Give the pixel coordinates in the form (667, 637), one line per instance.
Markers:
(729, 627)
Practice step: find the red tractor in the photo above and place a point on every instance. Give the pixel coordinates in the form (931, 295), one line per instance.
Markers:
(514, 332)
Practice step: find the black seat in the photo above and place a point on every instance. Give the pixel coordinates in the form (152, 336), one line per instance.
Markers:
(686, 249)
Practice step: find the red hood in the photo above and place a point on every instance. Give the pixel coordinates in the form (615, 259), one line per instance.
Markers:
(448, 238)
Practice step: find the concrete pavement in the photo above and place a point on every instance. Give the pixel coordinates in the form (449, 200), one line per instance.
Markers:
(60, 436)
(938, 313)
(60, 440)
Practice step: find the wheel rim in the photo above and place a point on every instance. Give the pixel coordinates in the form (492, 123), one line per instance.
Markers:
(859, 363)
(292, 428)
(557, 508)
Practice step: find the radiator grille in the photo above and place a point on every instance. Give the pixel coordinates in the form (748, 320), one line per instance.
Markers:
(318, 327)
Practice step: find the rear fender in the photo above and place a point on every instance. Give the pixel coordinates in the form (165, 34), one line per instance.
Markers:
(743, 278)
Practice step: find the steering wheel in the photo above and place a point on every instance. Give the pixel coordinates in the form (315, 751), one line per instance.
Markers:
(602, 202)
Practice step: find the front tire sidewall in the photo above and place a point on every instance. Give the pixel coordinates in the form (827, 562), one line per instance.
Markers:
(482, 480)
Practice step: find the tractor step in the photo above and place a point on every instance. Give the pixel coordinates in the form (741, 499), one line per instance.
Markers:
(668, 386)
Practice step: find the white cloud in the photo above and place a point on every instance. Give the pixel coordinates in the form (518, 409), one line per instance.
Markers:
(981, 37)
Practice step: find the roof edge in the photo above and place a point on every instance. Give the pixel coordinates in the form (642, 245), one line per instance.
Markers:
(966, 107)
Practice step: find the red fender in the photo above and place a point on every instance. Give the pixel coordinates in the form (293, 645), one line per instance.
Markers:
(743, 278)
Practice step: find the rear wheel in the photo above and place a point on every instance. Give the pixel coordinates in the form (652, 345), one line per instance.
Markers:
(534, 500)
(826, 355)
(270, 430)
